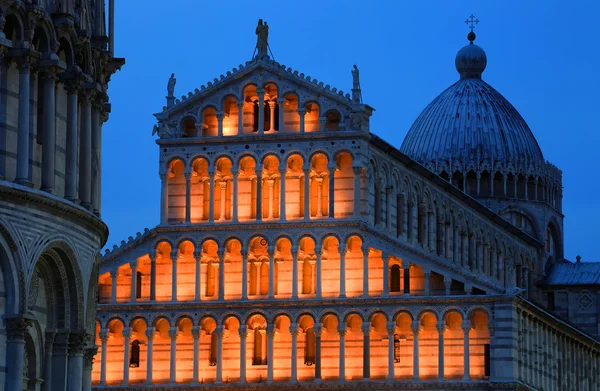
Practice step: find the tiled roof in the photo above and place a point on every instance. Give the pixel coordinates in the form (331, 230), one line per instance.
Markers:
(581, 273)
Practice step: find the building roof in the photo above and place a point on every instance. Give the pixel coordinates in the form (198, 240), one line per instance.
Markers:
(580, 273)
(472, 122)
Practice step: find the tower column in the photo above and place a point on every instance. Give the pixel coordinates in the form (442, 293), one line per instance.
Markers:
(301, 113)
(366, 329)
(416, 328)
(342, 250)
(365, 271)
(242, 330)
(319, 274)
(47, 386)
(219, 376)
(104, 339)
(259, 179)
(75, 371)
(319, 180)
(152, 256)
(85, 151)
(235, 196)
(164, 198)
(427, 275)
(391, 329)
(72, 88)
(294, 332)
(386, 274)
(282, 211)
(281, 104)
(150, 339)
(306, 194)
(127, 338)
(342, 365)
(173, 357)
(96, 157)
(88, 363)
(134, 266)
(174, 256)
(261, 110)
(332, 192)
(220, 116)
(272, 116)
(197, 287)
(211, 191)
(196, 336)
(240, 130)
(318, 329)
(23, 151)
(270, 358)
(221, 254)
(441, 327)
(113, 291)
(357, 171)
(223, 189)
(188, 196)
(294, 272)
(271, 252)
(466, 327)
(271, 183)
(244, 274)
(406, 279)
(388, 208)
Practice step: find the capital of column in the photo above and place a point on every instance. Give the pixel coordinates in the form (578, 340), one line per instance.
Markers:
(342, 331)
(152, 256)
(113, 274)
(77, 342)
(88, 355)
(104, 335)
(294, 329)
(415, 326)
(150, 333)
(133, 264)
(223, 184)
(270, 330)
(240, 105)
(173, 333)
(196, 332)
(447, 281)
(260, 92)
(174, 254)
(301, 112)
(318, 329)
(283, 169)
(220, 115)
(357, 170)
(342, 248)
(17, 325)
(187, 175)
(391, 327)
(366, 327)
(243, 331)
(24, 63)
(126, 332)
(50, 339)
(72, 85)
(440, 326)
(220, 330)
(466, 326)
(389, 189)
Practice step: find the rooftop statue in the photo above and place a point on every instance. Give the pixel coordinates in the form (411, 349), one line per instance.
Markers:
(262, 40)
(171, 86)
(356, 93)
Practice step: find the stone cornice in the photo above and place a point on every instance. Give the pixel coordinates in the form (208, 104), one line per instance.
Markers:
(55, 205)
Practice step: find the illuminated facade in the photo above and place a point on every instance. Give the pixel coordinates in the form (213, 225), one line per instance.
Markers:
(297, 249)
(56, 61)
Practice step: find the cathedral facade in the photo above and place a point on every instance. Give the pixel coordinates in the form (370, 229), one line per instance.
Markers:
(297, 250)
(56, 61)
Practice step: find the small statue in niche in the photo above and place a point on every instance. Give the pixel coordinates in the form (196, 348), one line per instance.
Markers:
(171, 86)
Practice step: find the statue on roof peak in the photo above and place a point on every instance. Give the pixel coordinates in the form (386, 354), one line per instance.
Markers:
(262, 40)
(171, 85)
(356, 92)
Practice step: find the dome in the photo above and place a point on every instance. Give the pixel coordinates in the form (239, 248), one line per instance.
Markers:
(471, 123)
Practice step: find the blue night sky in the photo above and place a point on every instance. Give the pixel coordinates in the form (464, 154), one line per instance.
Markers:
(544, 60)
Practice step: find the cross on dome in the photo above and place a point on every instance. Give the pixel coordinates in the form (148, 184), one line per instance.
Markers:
(471, 21)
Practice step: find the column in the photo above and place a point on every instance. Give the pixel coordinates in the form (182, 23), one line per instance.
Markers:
(441, 327)
(188, 196)
(319, 197)
(240, 106)
(342, 365)
(427, 275)
(357, 171)
(113, 291)
(261, 110)
(150, 339)
(282, 172)
(342, 250)
(416, 328)
(301, 113)
(242, 331)
(294, 272)
(197, 287)
(466, 327)
(164, 198)
(271, 183)
(272, 115)
(271, 251)
(72, 88)
(388, 208)
(258, 266)
(221, 254)
(386, 274)
(211, 191)
(306, 194)
(223, 189)
(219, 377)
(133, 265)
(366, 329)
(259, 178)
(281, 105)
(391, 328)
(88, 363)
(244, 274)
(318, 329)
(60, 364)
(127, 338)
(85, 151)
(365, 271)
(174, 256)
(152, 256)
(173, 357)
(322, 123)
(270, 358)
(235, 196)
(448, 285)
(196, 336)
(294, 332)
(104, 339)
(96, 157)
(319, 274)
(23, 172)
(332, 192)
(220, 116)
(47, 386)
(406, 279)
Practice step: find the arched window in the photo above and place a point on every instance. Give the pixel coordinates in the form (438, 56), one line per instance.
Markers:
(210, 280)
(255, 116)
(212, 359)
(260, 348)
(134, 357)
(306, 277)
(395, 278)
(138, 285)
(333, 121)
(309, 348)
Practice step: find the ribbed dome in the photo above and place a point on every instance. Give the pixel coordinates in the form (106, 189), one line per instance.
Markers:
(471, 122)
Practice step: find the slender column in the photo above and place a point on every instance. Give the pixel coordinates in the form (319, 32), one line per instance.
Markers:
(294, 332)
(441, 327)
(357, 171)
(60, 362)
(220, 116)
(240, 106)
(197, 286)
(391, 329)
(113, 291)
(47, 386)
(281, 104)
(134, 266)
(332, 192)
(164, 198)
(72, 88)
(258, 265)
(342, 250)
(188, 196)
(259, 184)
(271, 251)
(150, 339)
(196, 336)
(104, 339)
(342, 365)
(244, 274)
(294, 272)
(416, 328)
(271, 183)
(173, 357)
(261, 110)
(318, 329)
(223, 189)
(235, 196)
(466, 327)
(271, 116)
(322, 123)
(152, 256)
(301, 113)
(282, 172)
(427, 275)
(96, 156)
(219, 377)
(23, 171)
(319, 274)
(211, 191)
(243, 332)
(504, 178)
(174, 256)
(306, 194)
(448, 285)
(366, 329)
(221, 255)
(75, 370)
(88, 363)
(127, 338)
(270, 358)
(406, 279)
(85, 151)
(319, 197)
(386, 274)
(366, 271)
(388, 207)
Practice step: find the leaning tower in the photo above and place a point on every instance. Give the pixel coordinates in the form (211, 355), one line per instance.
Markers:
(56, 60)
